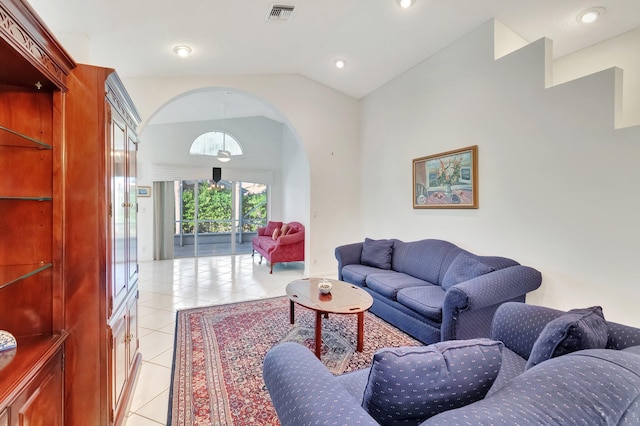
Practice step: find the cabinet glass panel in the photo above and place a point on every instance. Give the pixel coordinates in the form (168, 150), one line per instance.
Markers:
(120, 208)
(133, 210)
(10, 138)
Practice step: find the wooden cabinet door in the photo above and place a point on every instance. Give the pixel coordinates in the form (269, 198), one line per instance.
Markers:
(119, 210)
(41, 403)
(132, 311)
(119, 361)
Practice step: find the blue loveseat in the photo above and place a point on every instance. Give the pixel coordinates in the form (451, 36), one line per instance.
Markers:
(585, 387)
(433, 289)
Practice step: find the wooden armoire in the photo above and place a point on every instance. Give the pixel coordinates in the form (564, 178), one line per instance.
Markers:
(68, 208)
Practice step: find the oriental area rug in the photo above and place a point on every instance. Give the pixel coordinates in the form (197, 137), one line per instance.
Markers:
(218, 354)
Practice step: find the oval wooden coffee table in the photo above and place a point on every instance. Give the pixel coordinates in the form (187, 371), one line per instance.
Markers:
(344, 298)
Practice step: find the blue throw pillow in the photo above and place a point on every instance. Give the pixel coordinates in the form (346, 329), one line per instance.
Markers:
(408, 385)
(576, 330)
(377, 253)
(463, 268)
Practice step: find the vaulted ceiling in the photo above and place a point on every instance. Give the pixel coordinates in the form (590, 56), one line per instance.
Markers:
(378, 39)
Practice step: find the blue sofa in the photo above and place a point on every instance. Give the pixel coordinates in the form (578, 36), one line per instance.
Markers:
(586, 387)
(432, 289)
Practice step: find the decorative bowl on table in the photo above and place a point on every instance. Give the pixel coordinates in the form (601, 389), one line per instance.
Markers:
(325, 286)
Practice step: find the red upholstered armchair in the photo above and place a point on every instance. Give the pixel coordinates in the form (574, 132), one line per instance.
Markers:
(280, 242)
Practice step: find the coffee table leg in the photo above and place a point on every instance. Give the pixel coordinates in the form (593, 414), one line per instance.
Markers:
(292, 316)
(360, 346)
(318, 333)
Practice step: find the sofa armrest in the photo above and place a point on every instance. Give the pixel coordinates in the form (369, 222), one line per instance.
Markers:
(304, 392)
(496, 287)
(518, 325)
(348, 254)
(486, 291)
(261, 231)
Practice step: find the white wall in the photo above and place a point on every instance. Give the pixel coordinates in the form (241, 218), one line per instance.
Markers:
(622, 51)
(259, 137)
(325, 125)
(295, 180)
(555, 176)
(556, 180)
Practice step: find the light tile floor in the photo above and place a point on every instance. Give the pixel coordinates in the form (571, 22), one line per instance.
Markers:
(167, 286)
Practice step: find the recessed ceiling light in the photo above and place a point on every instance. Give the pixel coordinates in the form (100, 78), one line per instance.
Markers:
(182, 50)
(340, 63)
(590, 15)
(405, 3)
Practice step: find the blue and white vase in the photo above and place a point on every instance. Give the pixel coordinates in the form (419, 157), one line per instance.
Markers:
(7, 341)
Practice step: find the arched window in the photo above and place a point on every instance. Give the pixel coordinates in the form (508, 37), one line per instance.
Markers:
(211, 143)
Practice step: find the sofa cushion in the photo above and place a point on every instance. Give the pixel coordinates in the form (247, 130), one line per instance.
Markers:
(576, 330)
(275, 234)
(633, 350)
(355, 382)
(463, 268)
(271, 226)
(377, 253)
(357, 274)
(260, 240)
(267, 244)
(284, 229)
(512, 366)
(388, 283)
(293, 230)
(410, 384)
(423, 259)
(597, 387)
(425, 299)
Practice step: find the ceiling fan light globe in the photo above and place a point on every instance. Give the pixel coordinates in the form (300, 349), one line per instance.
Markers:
(224, 155)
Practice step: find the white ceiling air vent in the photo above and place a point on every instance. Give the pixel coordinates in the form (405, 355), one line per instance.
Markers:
(280, 12)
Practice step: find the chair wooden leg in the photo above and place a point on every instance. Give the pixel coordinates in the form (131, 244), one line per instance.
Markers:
(260, 263)
(271, 270)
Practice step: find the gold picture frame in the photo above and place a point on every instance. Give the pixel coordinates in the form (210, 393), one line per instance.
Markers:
(448, 180)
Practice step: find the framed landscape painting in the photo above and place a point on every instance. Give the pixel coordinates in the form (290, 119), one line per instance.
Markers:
(446, 181)
(144, 191)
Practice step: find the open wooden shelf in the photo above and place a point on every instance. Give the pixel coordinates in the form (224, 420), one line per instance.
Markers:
(10, 274)
(17, 366)
(15, 139)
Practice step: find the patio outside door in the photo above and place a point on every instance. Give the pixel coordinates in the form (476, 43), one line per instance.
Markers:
(217, 219)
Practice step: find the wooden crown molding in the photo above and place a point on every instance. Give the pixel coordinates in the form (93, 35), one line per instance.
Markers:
(22, 29)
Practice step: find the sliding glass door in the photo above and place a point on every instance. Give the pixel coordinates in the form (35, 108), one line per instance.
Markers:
(217, 219)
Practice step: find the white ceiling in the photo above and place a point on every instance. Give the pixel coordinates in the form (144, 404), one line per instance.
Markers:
(378, 39)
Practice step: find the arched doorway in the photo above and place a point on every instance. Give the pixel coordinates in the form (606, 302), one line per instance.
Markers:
(164, 160)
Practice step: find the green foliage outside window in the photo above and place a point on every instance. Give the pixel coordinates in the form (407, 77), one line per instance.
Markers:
(254, 211)
(214, 209)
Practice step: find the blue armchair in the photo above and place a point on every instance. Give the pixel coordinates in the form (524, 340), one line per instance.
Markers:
(592, 386)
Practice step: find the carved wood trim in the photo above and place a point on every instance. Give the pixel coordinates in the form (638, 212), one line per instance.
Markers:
(21, 28)
(119, 98)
